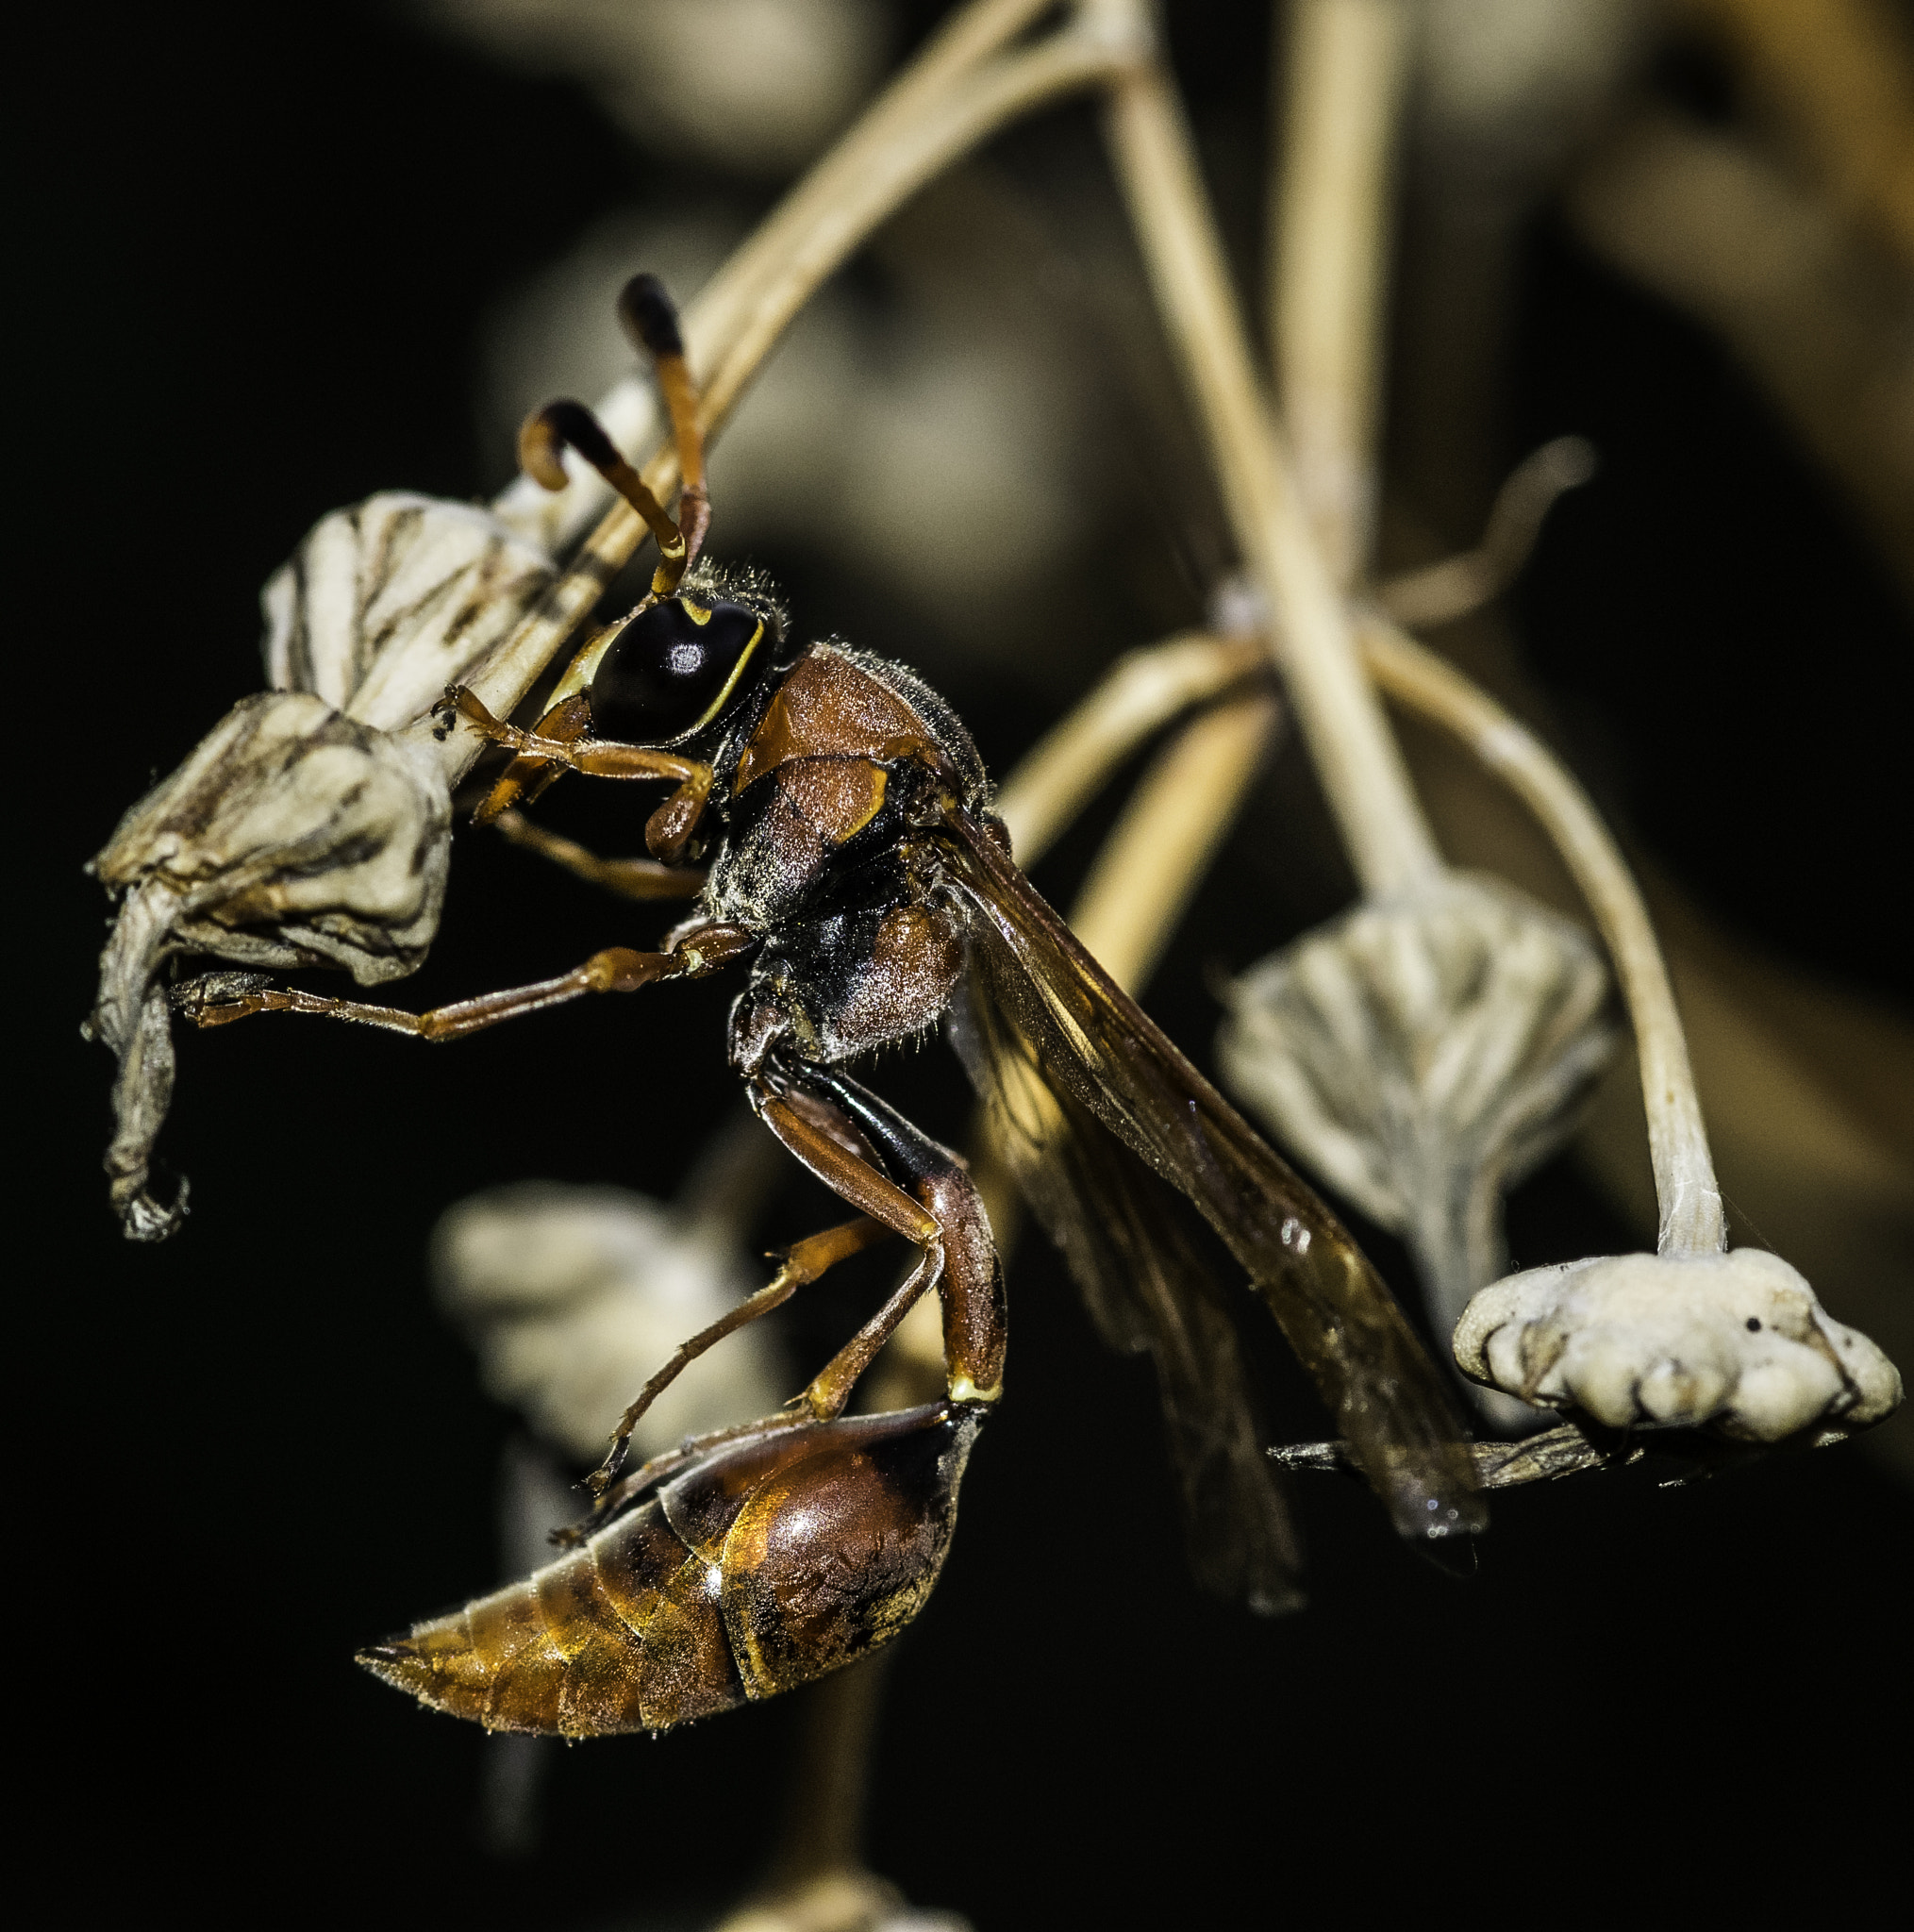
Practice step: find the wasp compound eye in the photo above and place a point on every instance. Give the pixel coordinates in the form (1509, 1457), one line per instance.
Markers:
(674, 668)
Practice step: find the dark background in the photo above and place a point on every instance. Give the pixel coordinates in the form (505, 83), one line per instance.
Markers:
(258, 239)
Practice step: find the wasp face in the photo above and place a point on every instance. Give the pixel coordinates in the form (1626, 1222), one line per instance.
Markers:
(677, 668)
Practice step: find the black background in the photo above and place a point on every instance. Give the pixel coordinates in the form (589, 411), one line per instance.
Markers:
(258, 240)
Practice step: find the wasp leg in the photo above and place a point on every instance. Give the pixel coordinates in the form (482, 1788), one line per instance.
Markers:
(527, 780)
(943, 1214)
(829, 1389)
(802, 1263)
(669, 829)
(701, 950)
(630, 878)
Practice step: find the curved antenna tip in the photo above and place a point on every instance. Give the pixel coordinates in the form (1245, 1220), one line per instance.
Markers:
(649, 312)
(544, 434)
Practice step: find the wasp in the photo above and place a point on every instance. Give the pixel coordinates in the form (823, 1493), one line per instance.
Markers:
(834, 819)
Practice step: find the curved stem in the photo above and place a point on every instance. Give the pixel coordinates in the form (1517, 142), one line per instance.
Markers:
(1689, 1201)
(715, 319)
(940, 109)
(1358, 762)
(1139, 694)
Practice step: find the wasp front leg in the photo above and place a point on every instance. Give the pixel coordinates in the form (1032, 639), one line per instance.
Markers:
(669, 829)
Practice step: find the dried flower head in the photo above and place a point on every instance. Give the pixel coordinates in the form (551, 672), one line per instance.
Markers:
(1422, 1053)
(304, 828)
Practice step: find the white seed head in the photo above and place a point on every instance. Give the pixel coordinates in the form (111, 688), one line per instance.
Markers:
(1734, 1342)
(299, 831)
(384, 605)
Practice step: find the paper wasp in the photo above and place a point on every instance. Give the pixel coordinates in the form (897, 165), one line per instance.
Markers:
(844, 816)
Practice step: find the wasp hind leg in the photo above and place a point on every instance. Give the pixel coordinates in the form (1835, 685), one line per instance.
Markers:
(802, 1263)
(840, 1132)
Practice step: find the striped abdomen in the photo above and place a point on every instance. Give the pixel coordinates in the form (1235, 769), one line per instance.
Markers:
(760, 1566)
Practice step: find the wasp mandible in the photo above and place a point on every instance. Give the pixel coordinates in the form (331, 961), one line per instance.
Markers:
(843, 820)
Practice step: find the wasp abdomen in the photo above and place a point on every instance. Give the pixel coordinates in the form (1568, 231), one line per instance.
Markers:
(763, 1565)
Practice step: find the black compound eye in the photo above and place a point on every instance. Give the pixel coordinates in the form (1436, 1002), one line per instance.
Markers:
(675, 668)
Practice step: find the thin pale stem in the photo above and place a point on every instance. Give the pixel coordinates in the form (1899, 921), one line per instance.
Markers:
(1160, 850)
(1142, 692)
(1345, 72)
(940, 109)
(1440, 593)
(1690, 1203)
(717, 317)
(1356, 759)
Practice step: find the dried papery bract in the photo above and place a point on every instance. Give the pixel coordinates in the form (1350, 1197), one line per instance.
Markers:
(383, 605)
(294, 835)
(1423, 1052)
(1693, 1336)
(301, 831)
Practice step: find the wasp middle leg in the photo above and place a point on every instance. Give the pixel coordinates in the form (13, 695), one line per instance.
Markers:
(630, 878)
(213, 1000)
(800, 1264)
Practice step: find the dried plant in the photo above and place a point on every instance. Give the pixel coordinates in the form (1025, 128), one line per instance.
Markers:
(1693, 1336)
(1421, 1053)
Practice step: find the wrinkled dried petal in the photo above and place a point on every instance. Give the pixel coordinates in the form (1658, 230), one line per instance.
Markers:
(384, 605)
(291, 836)
(1735, 1343)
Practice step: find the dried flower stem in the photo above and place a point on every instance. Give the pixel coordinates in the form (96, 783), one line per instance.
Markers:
(1161, 848)
(1346, 69)
(1358, 762)
(945, 105)
(1139, 694)
(1440, 593)
(1842, 73)
(1689, 1200)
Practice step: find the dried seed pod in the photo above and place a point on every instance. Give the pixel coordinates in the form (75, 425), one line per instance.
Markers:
(574, 1295)
(293, 836)
(1735, 1343)
(299, 832)
(383, 605)
(1420, 1055)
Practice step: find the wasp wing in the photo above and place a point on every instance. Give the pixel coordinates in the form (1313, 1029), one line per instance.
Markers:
(1120, 1231)
(1096, 1048)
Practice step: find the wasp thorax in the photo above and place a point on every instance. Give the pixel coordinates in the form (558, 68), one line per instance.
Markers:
(675, 668)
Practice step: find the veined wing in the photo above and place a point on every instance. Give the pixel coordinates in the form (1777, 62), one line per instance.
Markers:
(1094, 1046)
(1120, 1229)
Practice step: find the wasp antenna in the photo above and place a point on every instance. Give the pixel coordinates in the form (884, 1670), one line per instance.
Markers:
(542, 443)
(651, 319)
(648, 311)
